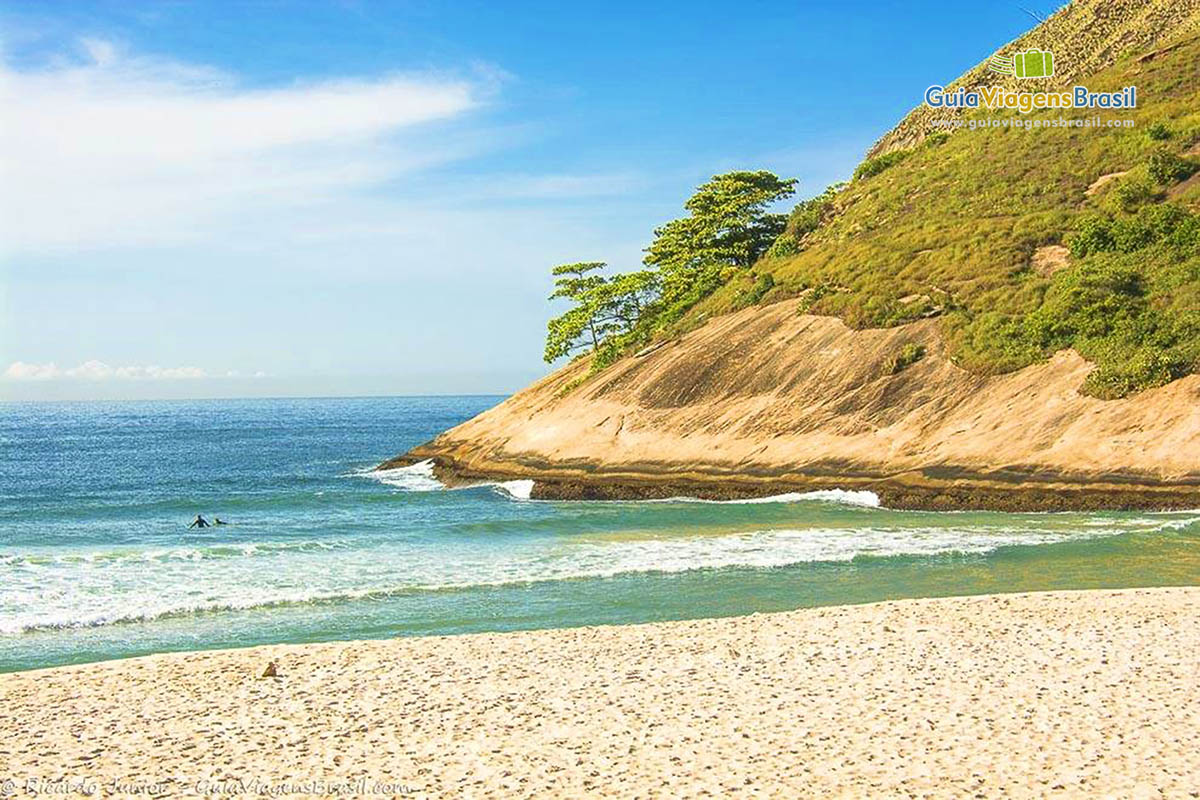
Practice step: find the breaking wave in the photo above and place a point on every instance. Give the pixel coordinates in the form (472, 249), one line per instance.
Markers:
(419, 477)
(74, 598)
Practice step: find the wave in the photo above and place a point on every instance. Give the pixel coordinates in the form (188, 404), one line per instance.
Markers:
(416, 477)
(182, 593)
(224, 550)
(523, 489)
(847, 497)
(419, 477)
(517, 490)
(98, 619)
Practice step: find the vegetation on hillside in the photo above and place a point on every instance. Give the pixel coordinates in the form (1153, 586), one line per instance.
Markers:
(727, 229)
(604, 306)
(1086, 37)
(950, 228)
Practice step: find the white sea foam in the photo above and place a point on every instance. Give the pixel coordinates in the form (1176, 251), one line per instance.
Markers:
(419, 478)
(44, 590)
(518, 490)
(416, 477)
(844, 496)
(70, 596)
(848, 497)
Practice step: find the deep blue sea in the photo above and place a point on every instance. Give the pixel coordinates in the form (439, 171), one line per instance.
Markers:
(97, 561)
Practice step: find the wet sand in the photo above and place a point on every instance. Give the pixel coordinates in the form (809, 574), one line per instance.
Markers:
(1072, 694)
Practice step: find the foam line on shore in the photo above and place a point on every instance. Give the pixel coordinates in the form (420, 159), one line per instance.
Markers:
(419, 477)
(593, 559)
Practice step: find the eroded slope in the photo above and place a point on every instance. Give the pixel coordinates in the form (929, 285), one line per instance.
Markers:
(768, 400)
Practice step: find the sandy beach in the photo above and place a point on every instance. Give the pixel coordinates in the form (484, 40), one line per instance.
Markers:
(1059, 694)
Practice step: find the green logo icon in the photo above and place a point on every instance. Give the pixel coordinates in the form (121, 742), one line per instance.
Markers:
(1029, 64)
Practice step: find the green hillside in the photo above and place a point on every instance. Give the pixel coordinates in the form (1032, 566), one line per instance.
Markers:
(995, 231)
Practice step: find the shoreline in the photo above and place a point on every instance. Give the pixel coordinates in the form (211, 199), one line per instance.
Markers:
(1047, 693)
(934, 489)
(771, 400)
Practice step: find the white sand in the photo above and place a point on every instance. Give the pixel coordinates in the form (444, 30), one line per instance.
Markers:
(1079, 694)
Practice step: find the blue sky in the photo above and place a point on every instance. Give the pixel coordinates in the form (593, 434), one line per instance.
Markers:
(260, 198)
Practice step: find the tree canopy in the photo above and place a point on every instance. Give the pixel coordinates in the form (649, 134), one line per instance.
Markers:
(727, 229)
(604, 306)
(728, 226)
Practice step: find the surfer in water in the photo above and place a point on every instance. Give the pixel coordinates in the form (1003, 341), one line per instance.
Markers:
(219, 521)
(199, 522)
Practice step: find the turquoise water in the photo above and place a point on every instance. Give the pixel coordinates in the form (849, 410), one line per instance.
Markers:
(96, 560)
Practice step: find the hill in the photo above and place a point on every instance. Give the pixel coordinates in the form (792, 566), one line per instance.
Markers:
(1003, 314)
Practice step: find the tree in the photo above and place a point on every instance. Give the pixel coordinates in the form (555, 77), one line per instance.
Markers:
(571, 330)
(728, 226)
(625, 298)
(605, 307)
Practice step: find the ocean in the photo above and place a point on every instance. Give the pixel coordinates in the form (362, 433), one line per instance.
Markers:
(97, 561)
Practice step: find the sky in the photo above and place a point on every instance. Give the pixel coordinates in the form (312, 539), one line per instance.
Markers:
(217, 199)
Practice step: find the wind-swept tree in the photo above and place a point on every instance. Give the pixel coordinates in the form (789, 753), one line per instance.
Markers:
(625, 298)
(728, 226)
(604, 306)
(578, 326)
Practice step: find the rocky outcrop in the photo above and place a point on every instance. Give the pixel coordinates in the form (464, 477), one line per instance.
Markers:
(769, 400)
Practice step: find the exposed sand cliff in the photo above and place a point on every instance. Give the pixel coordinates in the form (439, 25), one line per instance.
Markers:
(768, 400)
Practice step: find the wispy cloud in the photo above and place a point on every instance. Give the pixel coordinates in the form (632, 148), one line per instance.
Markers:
(99, 371)
(303, 220)
(118, 149)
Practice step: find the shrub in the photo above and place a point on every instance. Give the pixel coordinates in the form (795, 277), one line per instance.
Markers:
(786, 245)
(1155, 223)
(1130, 193)
(909, 354)
(571, 386)
(764, 284)
(727, 274)
(990, 342)
(1158, 132)
(1186, 235)
(608, 353)
(1165, 167)
(1126, 370)
(815, 295)
(1093, 235)
(1163, 219)
(1089, 301)
(874, 166)
(808, 215)
(1131, 234)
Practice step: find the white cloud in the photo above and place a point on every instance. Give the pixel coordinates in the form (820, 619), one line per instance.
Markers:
(127, 150)
(99, 371)
(302, 220)
(20, 371)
